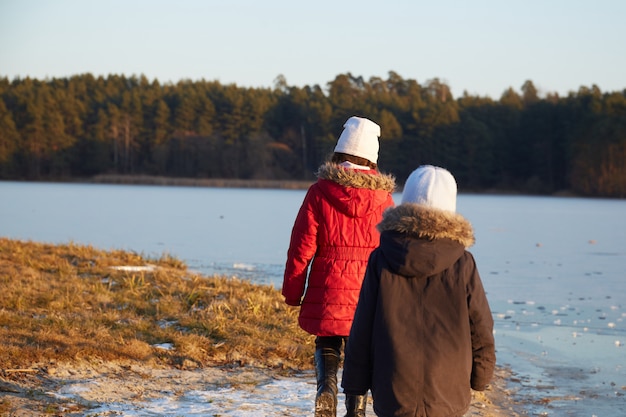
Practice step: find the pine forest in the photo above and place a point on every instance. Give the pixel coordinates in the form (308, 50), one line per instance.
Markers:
(75, 128)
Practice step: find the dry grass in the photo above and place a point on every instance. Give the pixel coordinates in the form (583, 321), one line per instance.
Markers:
(72, 302)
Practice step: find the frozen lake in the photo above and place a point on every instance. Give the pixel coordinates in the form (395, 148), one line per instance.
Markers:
(554, 268)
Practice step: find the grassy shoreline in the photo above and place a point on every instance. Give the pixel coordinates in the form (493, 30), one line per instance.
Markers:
(66, 302)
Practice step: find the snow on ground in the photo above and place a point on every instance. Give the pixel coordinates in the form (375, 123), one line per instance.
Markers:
(132, 391)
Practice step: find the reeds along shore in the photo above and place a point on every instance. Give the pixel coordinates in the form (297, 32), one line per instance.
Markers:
(199, 182)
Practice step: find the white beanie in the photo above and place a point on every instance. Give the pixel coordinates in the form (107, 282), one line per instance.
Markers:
(431, 186)
(359, 138)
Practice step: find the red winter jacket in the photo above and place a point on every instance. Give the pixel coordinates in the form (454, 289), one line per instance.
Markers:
(334, 233)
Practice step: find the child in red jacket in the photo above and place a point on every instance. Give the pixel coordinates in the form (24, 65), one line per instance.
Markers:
(332, 238)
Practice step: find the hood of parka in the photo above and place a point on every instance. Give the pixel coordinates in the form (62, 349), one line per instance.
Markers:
(419, 241)
(354, 192)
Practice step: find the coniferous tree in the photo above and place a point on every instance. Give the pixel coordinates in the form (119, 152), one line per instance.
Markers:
(9, 138)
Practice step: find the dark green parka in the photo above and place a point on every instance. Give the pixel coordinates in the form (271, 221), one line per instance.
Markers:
(422, 334)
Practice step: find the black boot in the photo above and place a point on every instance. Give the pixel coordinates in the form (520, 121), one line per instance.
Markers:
(355, 405)
(326, 366)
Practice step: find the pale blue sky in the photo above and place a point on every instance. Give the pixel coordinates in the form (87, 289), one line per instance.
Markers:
(482, 46)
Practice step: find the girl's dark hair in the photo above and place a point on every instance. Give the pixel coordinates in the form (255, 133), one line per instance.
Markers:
(339, 157)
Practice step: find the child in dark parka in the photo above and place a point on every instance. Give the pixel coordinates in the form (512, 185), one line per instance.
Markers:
(422, 335)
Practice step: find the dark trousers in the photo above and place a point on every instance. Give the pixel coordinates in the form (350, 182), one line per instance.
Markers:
(331, 342)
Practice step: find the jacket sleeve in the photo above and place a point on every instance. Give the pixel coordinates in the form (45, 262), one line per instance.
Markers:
(481, 323)
(302, 248)
(357, 368)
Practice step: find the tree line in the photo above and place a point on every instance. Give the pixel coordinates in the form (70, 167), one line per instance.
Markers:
(81, 126)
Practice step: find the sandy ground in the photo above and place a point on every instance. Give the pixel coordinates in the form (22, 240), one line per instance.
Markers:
(87, 389)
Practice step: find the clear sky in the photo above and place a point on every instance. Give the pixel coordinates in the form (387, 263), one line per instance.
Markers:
(479, 46)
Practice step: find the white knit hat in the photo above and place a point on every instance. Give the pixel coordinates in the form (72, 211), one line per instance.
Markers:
(431, 186)
(359, 138)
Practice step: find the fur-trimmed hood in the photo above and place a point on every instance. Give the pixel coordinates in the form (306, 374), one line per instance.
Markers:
(356, 178)
(419, 241)
(355, 192)
(424, 222)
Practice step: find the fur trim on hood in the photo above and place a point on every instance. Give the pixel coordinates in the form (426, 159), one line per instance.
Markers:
(356, 178)
(424, 222)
